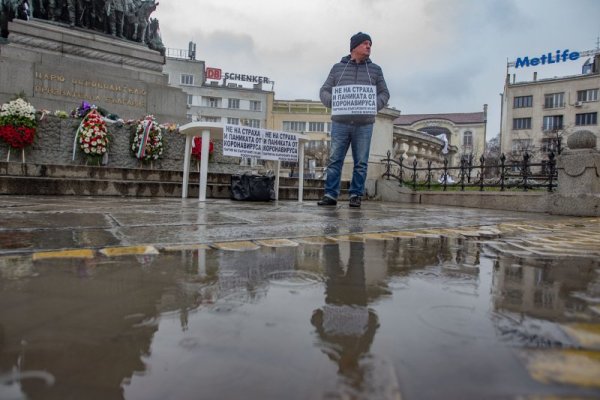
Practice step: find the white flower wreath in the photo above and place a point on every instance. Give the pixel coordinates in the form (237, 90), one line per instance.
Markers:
(147, 140)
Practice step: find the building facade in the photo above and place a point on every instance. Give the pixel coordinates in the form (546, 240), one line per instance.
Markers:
(220, 100)
(421, 136)
(311, 118)
(537, 114)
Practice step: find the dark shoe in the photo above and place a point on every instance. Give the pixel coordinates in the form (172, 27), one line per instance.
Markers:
(327, 201)
(355, 201)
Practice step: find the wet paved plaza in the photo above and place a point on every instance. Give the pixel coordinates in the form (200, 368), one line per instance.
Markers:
(105, 298)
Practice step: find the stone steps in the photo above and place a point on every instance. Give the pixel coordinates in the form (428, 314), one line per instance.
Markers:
(38, 179)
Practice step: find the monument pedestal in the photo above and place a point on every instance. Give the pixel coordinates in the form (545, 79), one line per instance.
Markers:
(578, 178)
(58, 67)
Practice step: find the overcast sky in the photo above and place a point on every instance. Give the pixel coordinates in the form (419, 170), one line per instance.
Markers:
(437, 55)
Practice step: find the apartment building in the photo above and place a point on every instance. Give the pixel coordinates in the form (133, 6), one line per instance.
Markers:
(537, 114)
(312, 119)
(213, 96)
(225, 98)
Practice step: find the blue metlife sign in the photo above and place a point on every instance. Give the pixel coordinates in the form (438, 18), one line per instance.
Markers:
(549, 58)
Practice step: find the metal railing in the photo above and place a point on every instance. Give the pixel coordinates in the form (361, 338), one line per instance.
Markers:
(517, 175)
(180, 54)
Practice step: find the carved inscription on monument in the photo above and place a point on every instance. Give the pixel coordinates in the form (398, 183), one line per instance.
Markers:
(99, 91)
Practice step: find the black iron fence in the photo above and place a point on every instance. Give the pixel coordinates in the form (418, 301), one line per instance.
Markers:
(521, 174)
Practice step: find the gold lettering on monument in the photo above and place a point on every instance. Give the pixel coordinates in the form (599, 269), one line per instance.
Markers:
(53, 84)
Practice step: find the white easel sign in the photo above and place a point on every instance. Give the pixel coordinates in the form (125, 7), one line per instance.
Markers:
(242, 141)
(354, 100)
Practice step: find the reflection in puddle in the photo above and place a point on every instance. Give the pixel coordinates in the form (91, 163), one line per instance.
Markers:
(293, 278)
(422, 316)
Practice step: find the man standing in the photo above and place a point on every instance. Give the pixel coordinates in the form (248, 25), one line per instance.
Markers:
(85, 14)
(354, 90)
(116, 11)
(55, 10)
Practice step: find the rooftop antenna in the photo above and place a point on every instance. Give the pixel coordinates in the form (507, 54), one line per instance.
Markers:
(192, 50)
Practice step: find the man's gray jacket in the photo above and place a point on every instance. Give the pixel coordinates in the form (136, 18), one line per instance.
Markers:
(348, 72)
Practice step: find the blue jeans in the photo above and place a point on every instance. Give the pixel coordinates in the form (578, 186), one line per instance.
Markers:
(344, 136)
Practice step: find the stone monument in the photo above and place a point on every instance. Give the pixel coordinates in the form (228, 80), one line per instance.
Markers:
(578, 177)
(58, 64)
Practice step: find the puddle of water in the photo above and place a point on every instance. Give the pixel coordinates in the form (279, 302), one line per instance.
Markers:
(418, 317)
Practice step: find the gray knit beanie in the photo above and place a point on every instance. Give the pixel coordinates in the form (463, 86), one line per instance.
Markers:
(358, 39)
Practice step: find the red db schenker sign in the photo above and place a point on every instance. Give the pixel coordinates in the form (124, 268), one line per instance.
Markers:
(213, 73)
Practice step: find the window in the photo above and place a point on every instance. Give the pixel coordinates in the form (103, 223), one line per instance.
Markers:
(294, 126)
(249, 161)
(521, 144)
(586, 119)
(522, 123)
(190, 99)
(468, 139)
(255, 105)
(552, 123)
(233, 121)
(213, 102)
(587, 95)
(253, 123)
(187, 79)
(316, 126)
(211, 119)
(233, 103)
(549, 145)
(554, 100)
(523, 101)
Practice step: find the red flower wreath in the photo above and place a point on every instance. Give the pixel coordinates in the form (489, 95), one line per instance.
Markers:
(17, 123)
(197, 148)
(17, 137)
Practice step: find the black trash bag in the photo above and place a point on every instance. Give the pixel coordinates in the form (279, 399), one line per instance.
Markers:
(249, 187)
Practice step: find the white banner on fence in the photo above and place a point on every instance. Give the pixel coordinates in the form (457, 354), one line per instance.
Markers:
(354, 100)
(243, 141)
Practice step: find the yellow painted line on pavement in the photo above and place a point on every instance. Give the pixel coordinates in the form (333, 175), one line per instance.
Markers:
(571, 367)
(348, 238)
(80, 253)
(276, 243)
(236, 246)
(401, 234)
(378, 236)
(587, 335)
(126, 251)
(318, 240)
(428, 235)
(439, 232)
(181, 247)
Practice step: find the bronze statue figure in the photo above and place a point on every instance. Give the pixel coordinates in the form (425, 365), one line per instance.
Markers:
(125, 19)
